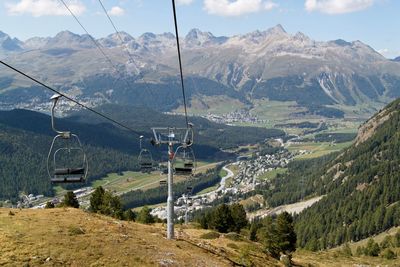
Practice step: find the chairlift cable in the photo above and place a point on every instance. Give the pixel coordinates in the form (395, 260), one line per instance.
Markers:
(180, 62)
(116, 31)
(69, 98)
(98, 45)
(91, 37)
(125, 45)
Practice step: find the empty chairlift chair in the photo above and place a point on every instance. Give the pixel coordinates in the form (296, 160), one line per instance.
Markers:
(145, 159)
(66, 161)
(184, 161)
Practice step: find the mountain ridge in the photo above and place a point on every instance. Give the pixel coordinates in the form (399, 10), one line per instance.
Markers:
(271, 64)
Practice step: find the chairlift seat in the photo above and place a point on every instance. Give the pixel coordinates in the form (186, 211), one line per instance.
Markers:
(67, 179)
(183, 171)
(69, 171)
(188, 165)
(146, 164)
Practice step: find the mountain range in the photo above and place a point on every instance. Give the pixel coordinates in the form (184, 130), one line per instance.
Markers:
(270, 64)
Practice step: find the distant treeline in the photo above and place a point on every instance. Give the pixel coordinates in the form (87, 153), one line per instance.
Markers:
(26, 137)
(300, 125)
(335, 137)
(138, 198)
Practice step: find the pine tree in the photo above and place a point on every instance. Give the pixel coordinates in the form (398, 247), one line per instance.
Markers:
(144, 216)
(253, 231)
(96, 199)
(221, 219)
(269, 237)
(285, 231)
(111, 205)
(70, 200)
(238, 216)
(129, 215)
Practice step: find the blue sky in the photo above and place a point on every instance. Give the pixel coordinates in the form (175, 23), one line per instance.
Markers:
(375, 22)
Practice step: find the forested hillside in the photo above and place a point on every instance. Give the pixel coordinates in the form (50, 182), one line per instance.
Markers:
(24, 144)
(206, 132)
(26, 137)
(362, 186)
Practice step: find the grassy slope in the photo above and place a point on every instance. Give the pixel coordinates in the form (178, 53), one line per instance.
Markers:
(318, 149)
(334, 257)
(32, 236)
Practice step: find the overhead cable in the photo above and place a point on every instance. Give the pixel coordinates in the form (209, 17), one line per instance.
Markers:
(180, 62)
(91, 37)
(116, 30)
(69, 98)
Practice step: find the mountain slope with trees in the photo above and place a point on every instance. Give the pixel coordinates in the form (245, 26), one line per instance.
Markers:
(361, 186)
(26, 137)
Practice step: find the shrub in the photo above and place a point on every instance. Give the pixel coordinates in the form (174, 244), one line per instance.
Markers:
(388, 254)
(234, 237)
(70, 200)
(144, 216)
(210, 235)
(129, 215)
(75, 230)
(396, 239)
(386, 242)
(359, 251)
(372, 248)
(346, 250)
(49, 205)
(232, 245)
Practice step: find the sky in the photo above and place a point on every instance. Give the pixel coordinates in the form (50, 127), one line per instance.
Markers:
(374, 22)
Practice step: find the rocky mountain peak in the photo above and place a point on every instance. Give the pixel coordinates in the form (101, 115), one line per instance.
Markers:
(8, 44)
(195, 37)
(147, 36)
(67, 38)
(278, 29)
(197, 34)
(302, 37)
(2, 34)
(341, 42)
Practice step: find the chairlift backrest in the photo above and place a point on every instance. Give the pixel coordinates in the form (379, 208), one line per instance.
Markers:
(76, 169)
(184, 161)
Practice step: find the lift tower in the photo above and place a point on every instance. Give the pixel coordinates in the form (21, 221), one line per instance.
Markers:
(172, 136)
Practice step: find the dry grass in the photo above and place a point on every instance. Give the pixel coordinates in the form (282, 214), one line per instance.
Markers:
(72, 237)
(333, 258)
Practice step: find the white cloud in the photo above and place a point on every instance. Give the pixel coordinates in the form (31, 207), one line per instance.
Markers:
(184, 2)
(389, 53)
(39, 8)
(116, 11)
(269, 5)
(383, 51)
(337, 6)
(236, 7)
